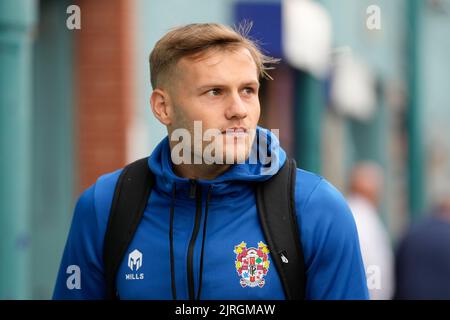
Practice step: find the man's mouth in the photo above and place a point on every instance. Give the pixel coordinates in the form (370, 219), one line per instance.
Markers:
(235, 131)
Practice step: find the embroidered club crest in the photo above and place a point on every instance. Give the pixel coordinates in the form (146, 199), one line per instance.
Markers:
(252, 264)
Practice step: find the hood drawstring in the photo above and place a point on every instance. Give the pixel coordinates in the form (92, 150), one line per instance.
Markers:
(172, 262)
(203, 243)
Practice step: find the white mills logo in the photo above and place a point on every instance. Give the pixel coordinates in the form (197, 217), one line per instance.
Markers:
(135, 260)
(135, 263)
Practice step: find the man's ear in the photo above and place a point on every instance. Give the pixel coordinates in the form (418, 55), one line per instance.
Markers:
(161, 106)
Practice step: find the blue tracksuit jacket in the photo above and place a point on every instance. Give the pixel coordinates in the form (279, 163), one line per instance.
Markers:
(236, 264)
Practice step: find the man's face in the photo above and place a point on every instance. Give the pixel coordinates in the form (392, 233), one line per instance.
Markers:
(220, 89)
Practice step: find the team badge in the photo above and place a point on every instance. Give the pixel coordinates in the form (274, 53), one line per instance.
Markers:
(252, 264)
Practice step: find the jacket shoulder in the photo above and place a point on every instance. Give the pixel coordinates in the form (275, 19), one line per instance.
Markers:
(103, 195)
(330, 240)
(313, 191)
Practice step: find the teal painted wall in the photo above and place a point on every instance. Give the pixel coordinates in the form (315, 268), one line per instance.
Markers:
(384, 52)
(388, 52)
(36, 163)
(17, 19)
(52, 144)
(435, 99)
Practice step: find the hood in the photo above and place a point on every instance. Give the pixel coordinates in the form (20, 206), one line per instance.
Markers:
(271, 157)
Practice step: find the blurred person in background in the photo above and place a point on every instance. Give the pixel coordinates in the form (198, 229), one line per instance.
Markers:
(366, 185)
(423, 257)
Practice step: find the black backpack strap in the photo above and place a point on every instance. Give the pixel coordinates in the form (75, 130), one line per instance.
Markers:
(131, 194)
(275, 200)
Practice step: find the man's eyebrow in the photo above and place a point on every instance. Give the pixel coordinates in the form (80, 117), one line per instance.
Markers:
(210, 86)
(251, 83)
(218, 85)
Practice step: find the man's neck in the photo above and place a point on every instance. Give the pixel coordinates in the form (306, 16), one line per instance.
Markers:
(200, 171)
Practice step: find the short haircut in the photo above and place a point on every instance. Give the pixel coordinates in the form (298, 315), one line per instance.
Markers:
(198, 38)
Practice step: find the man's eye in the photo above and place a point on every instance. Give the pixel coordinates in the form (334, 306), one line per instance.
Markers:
(213, 92)
(249, 90)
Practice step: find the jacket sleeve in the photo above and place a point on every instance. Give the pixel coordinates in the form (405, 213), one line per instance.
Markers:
(333, 260)
(80, 274)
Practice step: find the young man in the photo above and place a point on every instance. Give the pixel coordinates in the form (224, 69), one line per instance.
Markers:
(200, 236)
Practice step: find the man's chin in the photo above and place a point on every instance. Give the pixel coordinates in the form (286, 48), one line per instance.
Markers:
(236, 156)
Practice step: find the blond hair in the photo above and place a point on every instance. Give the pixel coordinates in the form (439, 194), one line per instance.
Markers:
(195, 39)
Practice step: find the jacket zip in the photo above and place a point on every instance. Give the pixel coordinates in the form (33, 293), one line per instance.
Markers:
(195, 192)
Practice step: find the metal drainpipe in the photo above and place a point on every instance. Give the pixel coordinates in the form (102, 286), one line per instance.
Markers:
(309, 100)
(415, 146)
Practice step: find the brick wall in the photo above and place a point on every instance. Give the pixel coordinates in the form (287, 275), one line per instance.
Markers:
(103, 97)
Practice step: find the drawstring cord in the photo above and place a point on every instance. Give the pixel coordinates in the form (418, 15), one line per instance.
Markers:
(172, 262)
(203, 243)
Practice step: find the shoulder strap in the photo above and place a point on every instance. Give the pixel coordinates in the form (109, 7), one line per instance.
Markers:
(275, 200)
(131, 194)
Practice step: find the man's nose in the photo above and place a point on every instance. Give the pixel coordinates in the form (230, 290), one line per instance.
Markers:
(236, 108)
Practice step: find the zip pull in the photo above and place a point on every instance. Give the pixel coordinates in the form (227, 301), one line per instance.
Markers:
(283, 256)
(193, 189)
